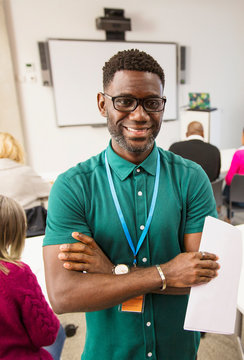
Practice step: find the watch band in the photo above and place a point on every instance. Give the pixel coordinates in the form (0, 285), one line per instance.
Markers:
(161, 274)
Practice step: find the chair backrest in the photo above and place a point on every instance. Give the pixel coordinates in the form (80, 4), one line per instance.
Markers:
(217, 191)
(237, 188)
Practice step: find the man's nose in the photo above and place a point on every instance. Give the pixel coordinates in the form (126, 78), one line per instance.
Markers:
(139, 114)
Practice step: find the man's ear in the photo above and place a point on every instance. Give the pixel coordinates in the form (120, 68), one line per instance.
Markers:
(101, 104)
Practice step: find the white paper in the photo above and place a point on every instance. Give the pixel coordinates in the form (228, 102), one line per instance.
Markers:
(212, 306)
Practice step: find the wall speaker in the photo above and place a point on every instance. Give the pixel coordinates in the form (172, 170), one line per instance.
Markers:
(45, 63)
(183, 64)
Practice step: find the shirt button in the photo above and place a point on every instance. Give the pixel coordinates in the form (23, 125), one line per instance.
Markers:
(138, 170)
(148, 323)
(142, 227)
(139, 193)
(144, 259)
(149, 354)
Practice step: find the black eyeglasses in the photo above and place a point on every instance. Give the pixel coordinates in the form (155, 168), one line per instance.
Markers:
(129, 103)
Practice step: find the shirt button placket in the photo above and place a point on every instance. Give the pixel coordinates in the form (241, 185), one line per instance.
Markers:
(149, 331)
(144, 259)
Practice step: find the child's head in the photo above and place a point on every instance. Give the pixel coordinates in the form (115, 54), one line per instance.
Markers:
(13, 230)
(10, 148)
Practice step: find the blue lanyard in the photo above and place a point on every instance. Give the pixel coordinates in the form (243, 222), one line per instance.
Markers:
(119, 211)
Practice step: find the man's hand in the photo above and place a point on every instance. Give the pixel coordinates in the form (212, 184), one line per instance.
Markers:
(85, 256)
(185, 270)
(190, 268)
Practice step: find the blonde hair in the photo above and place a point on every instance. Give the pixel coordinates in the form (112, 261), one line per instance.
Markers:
(13, 231)
(10, 148)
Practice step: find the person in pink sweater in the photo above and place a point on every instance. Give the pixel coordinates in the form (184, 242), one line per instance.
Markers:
(236, 167)
(237, 163)
(27, 323)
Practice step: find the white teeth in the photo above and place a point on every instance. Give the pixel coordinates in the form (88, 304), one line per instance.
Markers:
(135, 130)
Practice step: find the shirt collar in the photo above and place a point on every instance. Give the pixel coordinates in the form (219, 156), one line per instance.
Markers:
(124, 168)
(195, 137)
(6, 163)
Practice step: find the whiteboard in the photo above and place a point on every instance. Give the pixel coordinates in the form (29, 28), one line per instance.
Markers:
(76, 67)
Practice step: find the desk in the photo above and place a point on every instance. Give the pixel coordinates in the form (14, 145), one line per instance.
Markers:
(32, 256)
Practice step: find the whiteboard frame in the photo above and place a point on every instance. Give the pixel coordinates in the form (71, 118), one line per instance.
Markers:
(122, 45)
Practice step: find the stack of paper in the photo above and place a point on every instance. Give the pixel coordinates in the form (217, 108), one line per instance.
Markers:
(212, 306)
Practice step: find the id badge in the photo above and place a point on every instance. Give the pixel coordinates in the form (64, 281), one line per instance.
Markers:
(135, 305)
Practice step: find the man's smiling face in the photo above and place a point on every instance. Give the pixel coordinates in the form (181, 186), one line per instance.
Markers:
(135, 131)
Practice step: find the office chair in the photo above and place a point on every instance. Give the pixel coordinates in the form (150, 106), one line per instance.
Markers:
(217, 186)
(236, 195)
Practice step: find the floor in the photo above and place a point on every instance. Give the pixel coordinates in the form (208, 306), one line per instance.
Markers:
(212, 346)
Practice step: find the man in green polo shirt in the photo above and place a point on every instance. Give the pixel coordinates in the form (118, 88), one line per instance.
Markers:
(145, 208)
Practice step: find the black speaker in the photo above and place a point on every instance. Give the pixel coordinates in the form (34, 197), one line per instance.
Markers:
(45, 63)
(182, 64)
(182, 57)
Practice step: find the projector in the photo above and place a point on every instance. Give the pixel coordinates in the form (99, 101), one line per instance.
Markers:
(113, 20)
(110, 24)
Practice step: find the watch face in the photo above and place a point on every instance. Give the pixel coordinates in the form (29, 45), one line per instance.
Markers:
(121, 269)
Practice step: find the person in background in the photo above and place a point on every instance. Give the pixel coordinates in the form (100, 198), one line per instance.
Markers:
(27, 322)
(17, 180)
(135, 292)
(196, 149)
(236, 167)
(23, 184)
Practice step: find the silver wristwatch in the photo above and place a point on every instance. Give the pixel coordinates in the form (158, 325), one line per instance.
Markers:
(121, 269)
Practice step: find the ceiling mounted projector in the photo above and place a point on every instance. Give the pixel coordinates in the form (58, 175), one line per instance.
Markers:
(113, 21)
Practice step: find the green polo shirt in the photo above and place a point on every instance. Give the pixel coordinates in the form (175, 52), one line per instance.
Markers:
(81, 200)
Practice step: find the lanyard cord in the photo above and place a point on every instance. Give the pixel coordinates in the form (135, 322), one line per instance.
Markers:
(119, 211)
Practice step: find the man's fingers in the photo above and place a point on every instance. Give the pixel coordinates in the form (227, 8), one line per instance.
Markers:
(75, 266)
(208, 264)
(76, 247)
(84, 239)
(209, 273)
(204, 255)
(73, 256)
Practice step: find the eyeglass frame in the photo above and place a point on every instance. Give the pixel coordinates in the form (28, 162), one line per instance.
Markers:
(139, 101)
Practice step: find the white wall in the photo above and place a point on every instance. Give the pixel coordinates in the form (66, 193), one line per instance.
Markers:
(212, 31)
(9, 110)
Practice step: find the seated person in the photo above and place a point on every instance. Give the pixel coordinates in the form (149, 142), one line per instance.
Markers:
(17, 180)
(196, 149)
(21, 183)
(236, 167)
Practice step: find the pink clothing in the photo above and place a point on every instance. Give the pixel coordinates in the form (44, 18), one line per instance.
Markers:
(236, 167)
(26, 321)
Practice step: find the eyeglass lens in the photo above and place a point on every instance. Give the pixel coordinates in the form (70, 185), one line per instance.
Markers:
(123, 103)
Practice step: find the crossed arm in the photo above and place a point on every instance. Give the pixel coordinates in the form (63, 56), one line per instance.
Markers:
(75, 291)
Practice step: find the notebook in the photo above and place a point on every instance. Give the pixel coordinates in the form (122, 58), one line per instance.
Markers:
(199, 101)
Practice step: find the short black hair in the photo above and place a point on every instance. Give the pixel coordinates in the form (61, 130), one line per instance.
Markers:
(134, 60)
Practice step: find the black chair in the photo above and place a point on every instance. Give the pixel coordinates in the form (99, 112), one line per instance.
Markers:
(236, 196)
(217, 186)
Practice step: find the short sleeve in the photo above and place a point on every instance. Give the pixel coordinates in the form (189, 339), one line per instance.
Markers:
(200, 201)
(66, 211)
